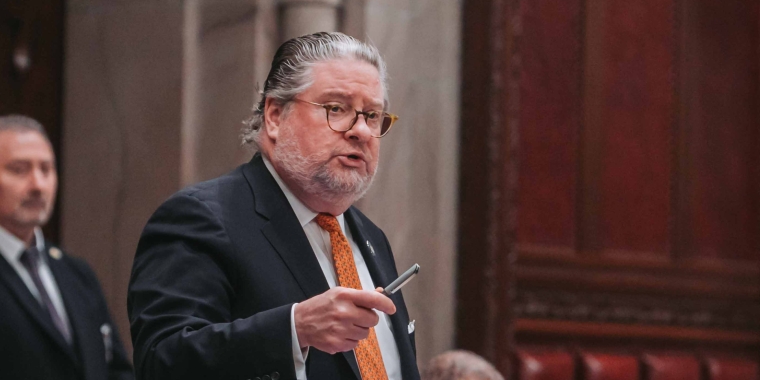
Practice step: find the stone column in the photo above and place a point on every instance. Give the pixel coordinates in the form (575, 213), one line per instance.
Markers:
(299, 17)
(218, 85)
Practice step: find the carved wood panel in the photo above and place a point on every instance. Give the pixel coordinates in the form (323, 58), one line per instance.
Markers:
(550, 120)
(718, 115)
(611, 198)
(626, 131)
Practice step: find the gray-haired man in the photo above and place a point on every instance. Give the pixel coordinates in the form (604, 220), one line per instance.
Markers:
(269, 272)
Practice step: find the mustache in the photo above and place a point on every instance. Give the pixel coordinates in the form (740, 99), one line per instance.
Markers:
(34, 201)
(366, 154)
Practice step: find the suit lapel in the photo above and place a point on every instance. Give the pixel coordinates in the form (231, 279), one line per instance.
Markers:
(71, 293)
(379, 276)
(38, 314)
(286, 235)
(283, 230)
(380, 270)
(351, 358)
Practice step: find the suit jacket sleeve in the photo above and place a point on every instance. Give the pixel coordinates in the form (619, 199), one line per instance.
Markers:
(181, 299)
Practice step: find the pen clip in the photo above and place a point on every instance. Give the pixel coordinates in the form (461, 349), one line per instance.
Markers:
(105, 331)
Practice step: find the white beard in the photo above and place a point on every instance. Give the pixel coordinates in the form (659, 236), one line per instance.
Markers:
(314, 176)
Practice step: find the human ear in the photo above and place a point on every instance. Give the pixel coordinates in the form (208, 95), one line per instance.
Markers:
(273, 115)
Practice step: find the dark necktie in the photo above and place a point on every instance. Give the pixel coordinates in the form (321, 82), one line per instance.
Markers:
(30, 259)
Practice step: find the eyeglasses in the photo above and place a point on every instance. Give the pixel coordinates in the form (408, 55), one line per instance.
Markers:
(341, 118)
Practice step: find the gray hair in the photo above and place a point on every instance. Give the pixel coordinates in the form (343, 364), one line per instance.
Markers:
(290, 73)
(460, 365)
(22, 123)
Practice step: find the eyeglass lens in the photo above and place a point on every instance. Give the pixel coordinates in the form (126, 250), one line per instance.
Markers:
(379, 124)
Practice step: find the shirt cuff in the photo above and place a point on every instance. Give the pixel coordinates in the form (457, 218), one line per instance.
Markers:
(299, 355)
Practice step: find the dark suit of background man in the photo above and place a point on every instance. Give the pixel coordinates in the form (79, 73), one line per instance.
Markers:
(235, 278)
(54, 323)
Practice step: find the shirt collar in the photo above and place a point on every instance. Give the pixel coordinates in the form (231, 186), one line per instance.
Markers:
(12, 247)
(303, 213)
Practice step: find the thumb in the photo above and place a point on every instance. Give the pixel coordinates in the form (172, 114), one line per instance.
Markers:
(373, 300)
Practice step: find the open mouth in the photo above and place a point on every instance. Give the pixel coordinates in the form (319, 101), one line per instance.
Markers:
(353, 160)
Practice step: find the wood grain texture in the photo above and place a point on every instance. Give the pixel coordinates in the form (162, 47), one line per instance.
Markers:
(638, 180)
(489, 177)
(720, 71)
(485, 242)
(550, 95)
(628, 118)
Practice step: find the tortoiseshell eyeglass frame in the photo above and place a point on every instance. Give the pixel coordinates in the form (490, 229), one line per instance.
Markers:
(393, 118)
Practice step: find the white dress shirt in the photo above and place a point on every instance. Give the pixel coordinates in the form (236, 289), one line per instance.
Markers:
(320, 243)
(11, 249)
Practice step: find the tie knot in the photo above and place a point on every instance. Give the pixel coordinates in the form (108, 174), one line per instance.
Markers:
(328, 222)
(30, 258)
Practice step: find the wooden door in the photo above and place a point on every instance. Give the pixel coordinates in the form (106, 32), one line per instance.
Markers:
(610, 196)
(31, 59)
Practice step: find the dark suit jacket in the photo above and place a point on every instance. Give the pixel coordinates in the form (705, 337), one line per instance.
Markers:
(31, 348)
(217, 270)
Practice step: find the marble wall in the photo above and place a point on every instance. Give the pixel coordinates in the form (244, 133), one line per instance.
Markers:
(121, 131)
(155, 92)
(414, 198)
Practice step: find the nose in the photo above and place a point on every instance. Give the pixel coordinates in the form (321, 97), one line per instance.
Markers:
(39, 178)
(360, 131)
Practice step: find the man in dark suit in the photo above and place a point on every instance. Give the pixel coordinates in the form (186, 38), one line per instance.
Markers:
(268, 272)
(54, 322)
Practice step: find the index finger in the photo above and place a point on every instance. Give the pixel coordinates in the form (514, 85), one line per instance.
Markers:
(373, 300)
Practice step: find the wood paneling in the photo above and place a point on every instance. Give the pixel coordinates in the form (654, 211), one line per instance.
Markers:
(719, 111)
(628, 112)
(487, 182)
(622, 334)
(31, 59)
(614, 190)
(550, 98)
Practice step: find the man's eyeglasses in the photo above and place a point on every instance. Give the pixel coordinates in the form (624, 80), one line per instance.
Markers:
(341, 118)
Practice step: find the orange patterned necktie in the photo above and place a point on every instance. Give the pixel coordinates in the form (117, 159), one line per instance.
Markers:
(368, 350)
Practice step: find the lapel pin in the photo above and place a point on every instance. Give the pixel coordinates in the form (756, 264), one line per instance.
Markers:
(55, 253)
(371, 250)
(105, 331)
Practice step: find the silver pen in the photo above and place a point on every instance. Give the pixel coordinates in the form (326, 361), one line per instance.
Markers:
(407, 276)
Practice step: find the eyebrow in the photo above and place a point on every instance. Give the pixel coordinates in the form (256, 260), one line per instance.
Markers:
(343, 96)
(30, 160)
